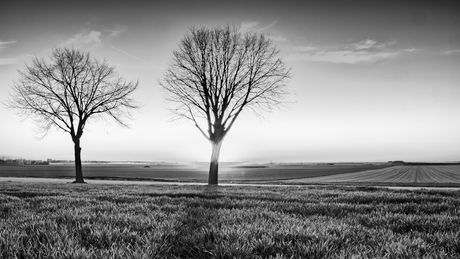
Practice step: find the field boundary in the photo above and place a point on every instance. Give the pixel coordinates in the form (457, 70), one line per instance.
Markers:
(401, 186)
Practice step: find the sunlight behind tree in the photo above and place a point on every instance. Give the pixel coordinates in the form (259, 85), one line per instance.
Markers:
(217, 73)
(68, 90)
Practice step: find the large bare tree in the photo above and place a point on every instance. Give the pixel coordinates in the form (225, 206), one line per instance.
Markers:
(217, 73)
(68, 90)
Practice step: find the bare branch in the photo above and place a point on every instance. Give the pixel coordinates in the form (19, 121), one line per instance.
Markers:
(69, 89)
(215, 74)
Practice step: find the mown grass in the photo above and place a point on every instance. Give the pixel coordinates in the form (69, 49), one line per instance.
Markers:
(112, 221)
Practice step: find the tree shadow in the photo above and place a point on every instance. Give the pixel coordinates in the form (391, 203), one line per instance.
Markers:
(197, 230)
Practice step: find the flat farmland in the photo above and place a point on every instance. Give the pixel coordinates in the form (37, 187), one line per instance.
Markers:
(352, 173)
(424, 174)
(188, 172)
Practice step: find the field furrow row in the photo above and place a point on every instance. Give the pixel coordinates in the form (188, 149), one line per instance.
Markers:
(396, 174)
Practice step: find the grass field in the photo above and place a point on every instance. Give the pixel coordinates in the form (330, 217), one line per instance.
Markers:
(112, 221)
(197, 172)
(431, 174)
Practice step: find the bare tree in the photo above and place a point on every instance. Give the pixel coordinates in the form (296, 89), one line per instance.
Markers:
(217, 73)
(69, 89)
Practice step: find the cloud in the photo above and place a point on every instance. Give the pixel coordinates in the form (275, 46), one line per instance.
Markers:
(278, 38)
(347, 56)
(115, 32)
(145, 65)
(248, 26)
(304, 48)
(453, 51)
(366, 51)
(8, 61)
(84, 39)
(4, 43)
(254, 26)
(91, 38)
(365, 44)
(371, 44)
(127, 53)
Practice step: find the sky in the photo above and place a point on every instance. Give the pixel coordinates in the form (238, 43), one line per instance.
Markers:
(371, 80)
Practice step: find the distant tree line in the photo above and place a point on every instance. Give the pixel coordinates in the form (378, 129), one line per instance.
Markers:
(400, 162)
(9, 160)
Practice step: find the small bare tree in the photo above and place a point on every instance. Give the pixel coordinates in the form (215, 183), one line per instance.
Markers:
(217, 73)
(65, 92)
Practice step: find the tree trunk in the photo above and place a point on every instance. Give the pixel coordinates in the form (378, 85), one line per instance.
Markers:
(214, 166)
(78, 169)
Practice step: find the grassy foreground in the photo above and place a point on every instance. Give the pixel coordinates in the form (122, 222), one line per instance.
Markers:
(112, 221)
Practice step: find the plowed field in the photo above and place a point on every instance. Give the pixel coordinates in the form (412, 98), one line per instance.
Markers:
(395, 174)
(186, 172)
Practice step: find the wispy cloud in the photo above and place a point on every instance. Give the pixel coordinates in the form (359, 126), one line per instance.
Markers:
(116, 31)
(144, 65)
(278, 38)
(365, 51)
(453, 51)
(248, 26)
(8, 61)
(369, 44)
(4, 43)
(255, 26)
(346, 56)
(365, 44)
(304, 48)
(90, 38)
(84, 39)
(129, 54)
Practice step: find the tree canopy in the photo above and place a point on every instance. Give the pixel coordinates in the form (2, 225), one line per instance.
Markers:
(217, 73)
(68, 90)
